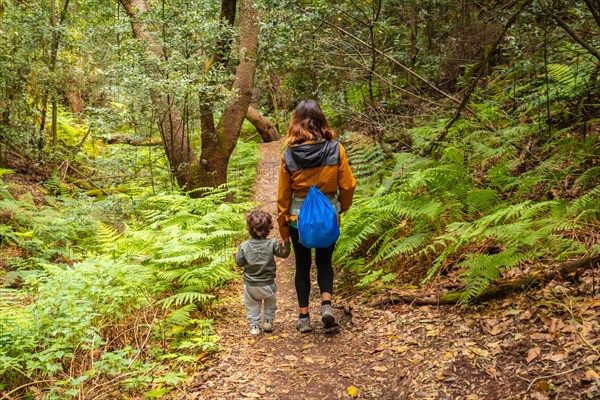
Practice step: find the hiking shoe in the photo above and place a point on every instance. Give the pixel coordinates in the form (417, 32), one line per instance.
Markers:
(268, 326)
(254, 330)
(327, 316)
(303, 325)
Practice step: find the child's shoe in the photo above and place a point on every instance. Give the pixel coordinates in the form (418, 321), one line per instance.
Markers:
(268, 326)
(303, 325)
(254, 330)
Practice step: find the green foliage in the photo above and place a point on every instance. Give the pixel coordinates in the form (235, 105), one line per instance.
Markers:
(486, 201)
(165, 262)
(368, 161)
(241, 171)
(55, 186)
(137, 263)
(4, 193)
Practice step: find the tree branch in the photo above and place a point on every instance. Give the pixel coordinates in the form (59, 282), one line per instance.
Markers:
(498, 289)
(480, 68)
(133, 141)
(595, 12)
(398, 63)
(575, 36)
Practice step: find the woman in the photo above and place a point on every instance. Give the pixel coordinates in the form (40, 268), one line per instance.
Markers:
(312, 157)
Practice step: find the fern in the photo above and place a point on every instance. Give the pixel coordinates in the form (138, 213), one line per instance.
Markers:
(184, 297)
(396, 247)
(181, 316)
(483, 269)
(55, 186)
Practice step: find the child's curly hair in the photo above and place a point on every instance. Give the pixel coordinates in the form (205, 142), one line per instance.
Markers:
(259, 224)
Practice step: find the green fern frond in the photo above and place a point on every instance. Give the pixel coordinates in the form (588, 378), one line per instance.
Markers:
(184, 298)
(400, 246)
(181, 316)
(483, 269)
(55, 186)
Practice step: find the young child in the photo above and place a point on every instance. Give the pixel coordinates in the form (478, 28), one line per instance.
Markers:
(256, 256)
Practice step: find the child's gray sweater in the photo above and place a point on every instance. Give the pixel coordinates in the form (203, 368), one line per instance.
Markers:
(257, 257)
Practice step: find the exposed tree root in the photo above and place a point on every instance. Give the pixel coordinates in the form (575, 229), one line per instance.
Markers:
(498, 289)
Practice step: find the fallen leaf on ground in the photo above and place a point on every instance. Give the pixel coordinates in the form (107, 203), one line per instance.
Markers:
(591, 374)
(381, 368)
(525, 315)
(352, 391)
(557, 357)
(402, 349)
(533, 353)
(541, 336)
(251, 395)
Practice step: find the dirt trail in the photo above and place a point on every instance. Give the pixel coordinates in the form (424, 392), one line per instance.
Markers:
(399, 353)
(284, 364)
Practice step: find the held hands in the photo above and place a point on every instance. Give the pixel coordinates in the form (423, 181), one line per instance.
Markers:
(285, 244)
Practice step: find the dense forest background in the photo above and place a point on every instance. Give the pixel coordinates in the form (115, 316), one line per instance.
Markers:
(128, 153)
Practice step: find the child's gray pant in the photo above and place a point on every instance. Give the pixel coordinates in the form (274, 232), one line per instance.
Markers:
(253, 299)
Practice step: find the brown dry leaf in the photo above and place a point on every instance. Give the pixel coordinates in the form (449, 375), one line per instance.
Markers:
(496, 329)
(480, 352)
(308, 360)
(546, 319)
(449, 355)
(391, 317)
(589, 304)
(533, 353)
(291, 358)
(557, 357)
(541, 336)
(525, 315)
(592, 359)
(251, 395)
(591, 374)
(541, 391)
(381, 368)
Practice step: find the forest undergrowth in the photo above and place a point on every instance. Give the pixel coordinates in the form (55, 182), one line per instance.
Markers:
(504, 196)
(107, 297)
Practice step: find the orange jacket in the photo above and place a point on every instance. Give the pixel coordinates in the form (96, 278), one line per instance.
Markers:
(335, 180)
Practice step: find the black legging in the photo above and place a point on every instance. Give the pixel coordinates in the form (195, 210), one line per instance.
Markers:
(303, 264)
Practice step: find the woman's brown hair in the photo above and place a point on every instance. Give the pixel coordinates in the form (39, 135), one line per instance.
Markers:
(259, 224)
(308, 122)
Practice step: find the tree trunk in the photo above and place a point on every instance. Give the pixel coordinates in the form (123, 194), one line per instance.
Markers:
(175, 139)
(218, 143)
(267, 131)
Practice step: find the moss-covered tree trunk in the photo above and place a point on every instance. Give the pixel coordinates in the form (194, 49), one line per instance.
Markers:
(219, 141)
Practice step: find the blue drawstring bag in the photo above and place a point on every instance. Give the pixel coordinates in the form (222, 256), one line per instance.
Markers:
(317, 223)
